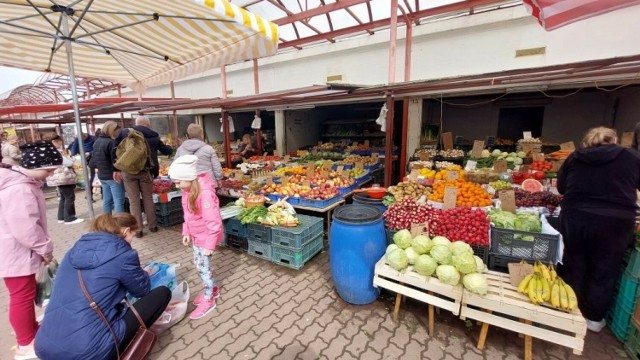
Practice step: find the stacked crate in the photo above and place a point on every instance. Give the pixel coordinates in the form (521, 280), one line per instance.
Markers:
(294, 246)
(621, 319)
(236, 234)
(170, 213)
(259, 241)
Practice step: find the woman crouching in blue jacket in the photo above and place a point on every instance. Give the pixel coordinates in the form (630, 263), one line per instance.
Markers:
(110, 268)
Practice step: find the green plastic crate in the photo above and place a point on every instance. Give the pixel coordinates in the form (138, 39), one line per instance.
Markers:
(296, 237)
(296, 258)
(259, 249)
(620, 314)
(632, 345)
(632, 263)
(164, 209)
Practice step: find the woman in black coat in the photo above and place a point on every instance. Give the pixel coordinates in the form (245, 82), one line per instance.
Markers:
(103, 158)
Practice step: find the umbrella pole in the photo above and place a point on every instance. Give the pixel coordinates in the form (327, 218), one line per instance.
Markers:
(76, 112)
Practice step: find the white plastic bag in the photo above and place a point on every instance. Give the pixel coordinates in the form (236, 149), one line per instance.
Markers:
(175, 311)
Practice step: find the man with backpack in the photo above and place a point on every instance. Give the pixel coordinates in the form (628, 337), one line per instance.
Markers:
(137, 159)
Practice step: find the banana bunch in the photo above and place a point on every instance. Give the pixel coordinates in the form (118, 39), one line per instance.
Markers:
(544, 285)
(562, 296)
(536, 287)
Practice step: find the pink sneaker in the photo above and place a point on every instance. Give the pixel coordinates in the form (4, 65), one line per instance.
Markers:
(203, 309)
(199, 298)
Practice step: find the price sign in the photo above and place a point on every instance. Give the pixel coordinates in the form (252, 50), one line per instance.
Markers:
(453, 175)
(340, 168)
(500, 166)
(359, 164)
(537, 156)
(286, 158)
(450, 197)
(507, 200)
(570, 146)
(626, 141)
(527, 147)
(345, 174)
(471, 165)
(413, 176)
(420, 229)
(517, 272)
(478, 146)
(311, 169)
(324, 174)
(447, 140)
(265, 153)
(375, 156)
(326, 165)
(526, 135)
(306, 183)
(366, 143)
(269, 180)
(423, 156)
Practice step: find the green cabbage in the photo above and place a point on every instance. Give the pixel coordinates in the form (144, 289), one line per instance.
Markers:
(441, 254)
(448, 274)
(425, 265)
(476, 283)
(390, 248)
(412, 255)
(517, 161)
(459, 247)
(528, 221)
(464, 262)
(421, 244)
(398, 259)
(480, 266)
(440, 240)
(402, 238)
(496, 153)
(503, 219)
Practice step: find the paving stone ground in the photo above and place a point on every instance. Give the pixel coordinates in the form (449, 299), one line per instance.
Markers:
(271, 312)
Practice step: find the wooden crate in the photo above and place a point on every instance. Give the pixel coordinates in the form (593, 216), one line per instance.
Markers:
(504, 307)
(422, 288)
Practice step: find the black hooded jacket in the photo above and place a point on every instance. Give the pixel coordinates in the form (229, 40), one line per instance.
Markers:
(601, 180)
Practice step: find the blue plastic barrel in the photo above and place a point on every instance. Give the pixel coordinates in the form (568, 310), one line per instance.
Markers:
(364, 199)
(356, 243)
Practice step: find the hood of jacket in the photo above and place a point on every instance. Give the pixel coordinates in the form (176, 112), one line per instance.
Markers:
(148, 133)
(598, 155)
(95, 249)
(193, 145)
(10, 177)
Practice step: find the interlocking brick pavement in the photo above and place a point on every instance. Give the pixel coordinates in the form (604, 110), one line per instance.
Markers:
(271, 312)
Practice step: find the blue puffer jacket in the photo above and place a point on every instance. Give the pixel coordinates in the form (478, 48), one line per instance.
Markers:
(71, 329)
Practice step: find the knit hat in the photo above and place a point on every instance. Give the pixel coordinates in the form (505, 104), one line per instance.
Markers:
(40, 155)
(184, 168)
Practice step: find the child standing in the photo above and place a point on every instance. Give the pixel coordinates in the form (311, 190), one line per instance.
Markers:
(202, 225)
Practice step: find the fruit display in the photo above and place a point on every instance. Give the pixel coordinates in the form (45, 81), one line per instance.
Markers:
(289, 170)
(537, 199)
(258, 158)
(289, 189)
(408, 189)
(278, 215)
(407, 212)
(463, 224)
(541, 165)
(442, 174)
(231, 184)
(322, 192)
(163, 186)
(353, 159)
(469, 194)
(532, 185)
(544, 285)
(427, 173)
(500, 185)
(559, 155)
(358, 173)
(482, 176)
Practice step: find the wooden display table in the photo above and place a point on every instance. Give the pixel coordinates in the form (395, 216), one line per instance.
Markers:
(427, 289)
(504, 307)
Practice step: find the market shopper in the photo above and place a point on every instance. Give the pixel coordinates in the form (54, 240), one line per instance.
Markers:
(104, 156)
(64, 177)
(208, 161)
(25, 239)
(109, 268)
(599, 184)
(10, 150)
(202, 226)
(140, 185)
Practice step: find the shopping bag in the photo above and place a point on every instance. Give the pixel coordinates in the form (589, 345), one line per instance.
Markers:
(162, 274)
(44, 283)
(175, 311)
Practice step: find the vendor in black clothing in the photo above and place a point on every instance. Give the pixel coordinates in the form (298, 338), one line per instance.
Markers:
(597, 221)
(247, 149)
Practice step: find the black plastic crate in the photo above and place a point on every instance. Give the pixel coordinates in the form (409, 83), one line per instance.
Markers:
(164, 209)
(237, 242)
(524, 245)
(482, 252)
(501, 263)
(173, 218)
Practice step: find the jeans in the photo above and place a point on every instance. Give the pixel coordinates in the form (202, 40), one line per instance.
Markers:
(22, 313)
(67, 206)
(137, 186)
(112, 196)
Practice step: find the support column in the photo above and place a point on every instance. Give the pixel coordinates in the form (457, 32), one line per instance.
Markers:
(121, 114)
(414, 126)
(388, 153)
(281, 146)
(403, 132)
(256, 89)
(227, 138)
(393, 37)
(174, 119)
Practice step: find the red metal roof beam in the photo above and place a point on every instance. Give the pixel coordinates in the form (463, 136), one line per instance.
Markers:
(320, 10)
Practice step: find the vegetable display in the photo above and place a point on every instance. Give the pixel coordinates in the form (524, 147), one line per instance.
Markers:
(251, 215)
(407, 212)
(525, 221)
(469, 194)
(544, 285)
(464, 224)
(537, 199)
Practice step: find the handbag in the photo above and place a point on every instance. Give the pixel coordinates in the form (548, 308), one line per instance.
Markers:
(62, 176)
(144, 339)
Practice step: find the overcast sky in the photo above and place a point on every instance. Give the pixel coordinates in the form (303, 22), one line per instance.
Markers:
(10, 78)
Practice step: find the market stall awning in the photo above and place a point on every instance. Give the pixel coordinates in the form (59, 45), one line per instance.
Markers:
(552, 14)
(138, 43)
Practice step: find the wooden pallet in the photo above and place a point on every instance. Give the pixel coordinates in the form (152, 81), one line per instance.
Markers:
(422, 288)
(504, 307)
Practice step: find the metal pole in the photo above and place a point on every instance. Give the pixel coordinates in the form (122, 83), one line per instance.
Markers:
(227, 139)
(388, 152)
(174, 118)
(393, 36)
(256, 88)
(76, 111)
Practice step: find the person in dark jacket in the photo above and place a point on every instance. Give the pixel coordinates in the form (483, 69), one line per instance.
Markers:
(109, 268)
(599, 184)
(140, 185)
(87, 141)
(104, 156)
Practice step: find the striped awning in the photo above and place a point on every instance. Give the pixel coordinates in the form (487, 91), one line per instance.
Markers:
(552, 14)
(138, 43)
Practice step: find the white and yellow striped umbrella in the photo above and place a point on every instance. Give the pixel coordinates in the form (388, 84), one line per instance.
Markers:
(139, 43)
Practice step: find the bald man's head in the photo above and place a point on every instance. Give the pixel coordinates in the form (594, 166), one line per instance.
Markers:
(143, 121)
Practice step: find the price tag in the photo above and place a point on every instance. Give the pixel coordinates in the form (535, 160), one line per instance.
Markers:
(314, 151)
(423, 156)
(517, 272)
(471, 165)
(507, 200)
(419, 229)
(375, 156)
(626, 141)
(450, 197)
(324, 174)
(452, 175)
(269, 180)
(413, 176)
(526, 135)
(306, 183)
(366, 143)
(345, 174)
(500, 166)
(570, 146)
(478, 146)
(537, 156)
(528, 148)
(340, 168)
(286, 158)
(311, 169)
(447, 140)
(326, 165)
(359, 164)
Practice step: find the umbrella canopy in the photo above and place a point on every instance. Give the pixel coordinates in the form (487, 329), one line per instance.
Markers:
(552, 14)
(138, 43)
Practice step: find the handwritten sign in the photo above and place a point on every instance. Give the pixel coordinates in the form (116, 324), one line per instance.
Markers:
(518, 271)
(471, 165)
(527, 148)
(500, 166)
(419, 229)
(286, 158)
(413, 176)
(453, 175)
(478, 146)
(447, 140)
(326, 165)
(314, 151)
(340, 168)
(324, 174)
(359, 164)
(306, 183)
(570, 146)
(366, 143)
(450, 197)
(269, 180)
(626, 141)
(311, 169)
(537, 156)
(423, 156)
(526, 135)
(375, 156)
(507, 200)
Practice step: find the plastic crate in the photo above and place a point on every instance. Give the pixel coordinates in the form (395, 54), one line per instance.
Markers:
(259, 232)
(320, 204)
(296, 237)
(501, 263)
(233, 226)
(294, 200)
(173, 218)
(632, 344)
(259, 249)
(164, 209)
(236, 242)
(482, 252)
(620, 314)
(345, 190)
(511, 243)
(296, 258)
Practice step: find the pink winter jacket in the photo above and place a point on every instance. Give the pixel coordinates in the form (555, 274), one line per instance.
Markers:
(205, 227)
(24, 238)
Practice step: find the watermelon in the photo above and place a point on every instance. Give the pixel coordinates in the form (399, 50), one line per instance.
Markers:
(532, 185)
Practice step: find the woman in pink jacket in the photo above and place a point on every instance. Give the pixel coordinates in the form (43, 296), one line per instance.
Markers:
(24, 239)
(202, 225)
